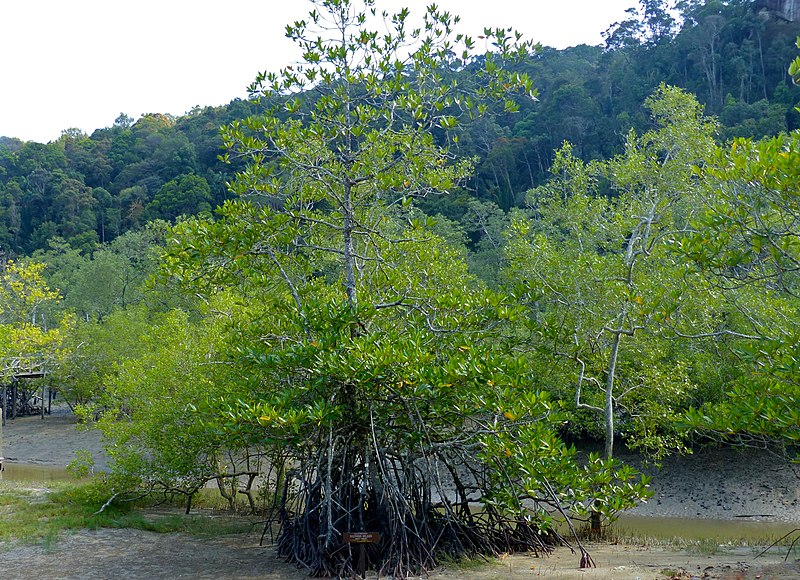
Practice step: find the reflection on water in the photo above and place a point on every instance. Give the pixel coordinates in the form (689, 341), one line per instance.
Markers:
(30, 472)
(696, 529)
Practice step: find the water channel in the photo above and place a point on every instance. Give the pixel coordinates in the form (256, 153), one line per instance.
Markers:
(21, 472)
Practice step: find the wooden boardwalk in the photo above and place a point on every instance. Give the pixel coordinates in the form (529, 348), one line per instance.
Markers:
(19, 399)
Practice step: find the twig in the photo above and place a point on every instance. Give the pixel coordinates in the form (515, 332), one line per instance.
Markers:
(791, 546)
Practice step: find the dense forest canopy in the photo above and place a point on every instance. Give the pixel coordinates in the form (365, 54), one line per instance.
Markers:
(733, 55)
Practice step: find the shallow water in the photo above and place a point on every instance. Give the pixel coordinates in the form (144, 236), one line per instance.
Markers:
(737, 531)
(32, 472)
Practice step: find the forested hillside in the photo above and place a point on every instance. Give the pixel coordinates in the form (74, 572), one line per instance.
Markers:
(733, 55)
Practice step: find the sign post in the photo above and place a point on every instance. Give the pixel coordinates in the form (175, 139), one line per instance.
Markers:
(362, 539)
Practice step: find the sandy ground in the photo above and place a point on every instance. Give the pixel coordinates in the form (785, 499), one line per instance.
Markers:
(720, 488)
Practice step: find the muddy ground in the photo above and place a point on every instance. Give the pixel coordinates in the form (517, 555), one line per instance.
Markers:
(719, 485)
(134, 554)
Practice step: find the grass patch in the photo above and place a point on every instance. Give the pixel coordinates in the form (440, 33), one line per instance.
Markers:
(469, 564)
(40, 514)
(706, 547)
(167, 521)
(37, 514)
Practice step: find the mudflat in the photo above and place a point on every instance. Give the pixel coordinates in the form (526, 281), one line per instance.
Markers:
(51, 441)
(711, 487)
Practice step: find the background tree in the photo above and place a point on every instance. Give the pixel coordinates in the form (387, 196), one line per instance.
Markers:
(28, 341)
(594, 268)
(187, 195)
(95, 353)
(113, 276)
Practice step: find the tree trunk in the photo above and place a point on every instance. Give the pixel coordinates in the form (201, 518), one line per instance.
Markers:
(349, 257)
(595, 517)
(609, 399)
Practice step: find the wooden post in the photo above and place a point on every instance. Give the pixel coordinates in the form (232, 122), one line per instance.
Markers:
(362, 539)
(14, 390)
(2, 422)
(42, 400)
(362, 560)
(596, 523)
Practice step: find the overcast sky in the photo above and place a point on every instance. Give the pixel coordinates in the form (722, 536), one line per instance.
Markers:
(80, 63)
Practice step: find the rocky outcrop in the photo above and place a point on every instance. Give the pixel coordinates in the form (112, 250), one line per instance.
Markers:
(786, 9)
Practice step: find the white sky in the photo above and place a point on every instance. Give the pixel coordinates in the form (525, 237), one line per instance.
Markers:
(80, 63)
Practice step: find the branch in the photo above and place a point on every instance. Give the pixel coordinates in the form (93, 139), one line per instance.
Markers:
(292, 287)
(719, 333)
(578, 403)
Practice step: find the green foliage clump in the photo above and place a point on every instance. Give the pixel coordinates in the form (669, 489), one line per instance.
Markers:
(746, 243)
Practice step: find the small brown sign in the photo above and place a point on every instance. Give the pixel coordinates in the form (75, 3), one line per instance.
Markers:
(362, 537)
